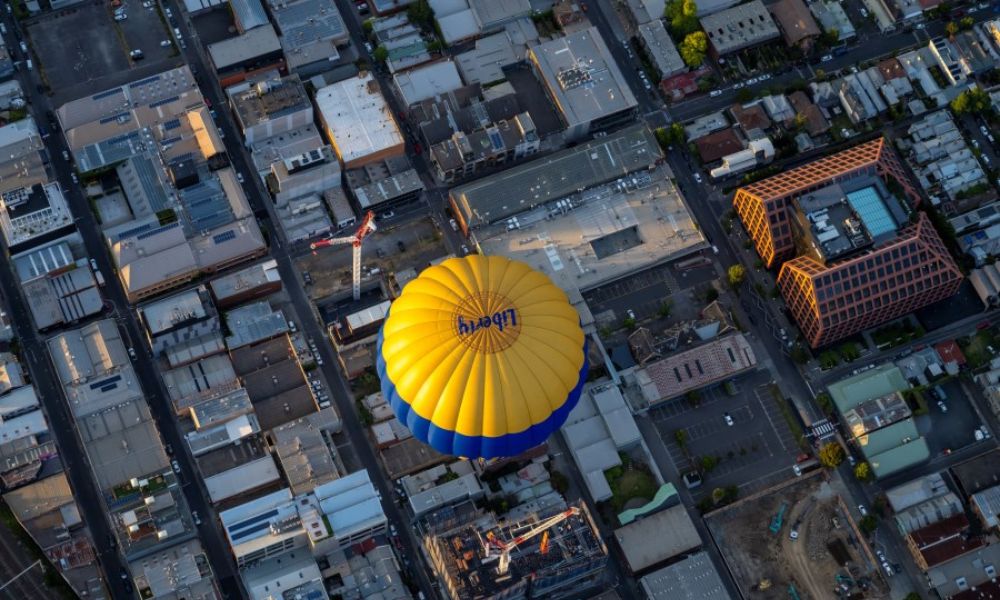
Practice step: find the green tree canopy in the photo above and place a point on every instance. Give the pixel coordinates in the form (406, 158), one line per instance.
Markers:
(693, 48)
(831, 454)
(380, 54)
(682, 16)
(862, 471)
(973, 100)
(736, 274)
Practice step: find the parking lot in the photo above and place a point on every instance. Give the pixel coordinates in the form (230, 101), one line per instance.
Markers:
(643, 293)
(759, 444)
(77, 45)
(951, 430)
(144, 29)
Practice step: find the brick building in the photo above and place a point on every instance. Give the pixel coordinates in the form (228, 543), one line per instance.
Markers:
(856, 255)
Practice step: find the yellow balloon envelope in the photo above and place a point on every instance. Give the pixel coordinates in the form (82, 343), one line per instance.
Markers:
(482, 357)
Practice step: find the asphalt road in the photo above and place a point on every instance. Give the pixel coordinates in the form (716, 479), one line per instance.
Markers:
(195, 56)
(865, 50)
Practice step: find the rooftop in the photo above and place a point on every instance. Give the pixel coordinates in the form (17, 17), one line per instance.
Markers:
(303, 448)
(357, 119)
(427, 81)
(310, 30)
(270, 99)
(253, 323)
(978, 474)
(575, 548)
(657, 537)
(876, 413)
(878, 382)
(693, 578)
(248, 14)
(695, 368)
(122, 443)
(263, 274)
(234, 51)
(556, 176)
(661, 49)
(582, 76)
(163, 315)
(175, 573)
(739, 27)
(27, 213)
(797, 24)
(599, 235)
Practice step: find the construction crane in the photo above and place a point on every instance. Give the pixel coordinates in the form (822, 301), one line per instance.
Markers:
(505, 547)
(367, 226)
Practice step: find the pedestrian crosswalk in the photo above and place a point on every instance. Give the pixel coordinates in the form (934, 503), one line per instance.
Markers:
(823, 429)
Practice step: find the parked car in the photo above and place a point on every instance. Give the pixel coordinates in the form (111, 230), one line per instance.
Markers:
(826, 58)
(715, 93)
(729, 419)
(862, 510)
(176, 466)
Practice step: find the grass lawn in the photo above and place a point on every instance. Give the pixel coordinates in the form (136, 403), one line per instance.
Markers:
(634, 483)
(976, 353)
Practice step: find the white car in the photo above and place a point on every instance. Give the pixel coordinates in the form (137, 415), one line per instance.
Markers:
(864, 12)
(131, 352)
(239, 177)
(195, 517)
(941, 405)
(176, 466)
(826, 58)
(764, 77)
(862, 510)
(729, 419)
(984, 130)
(93, 265)
(697, 177)
(121, 17)
(752, 81)
(975, 144)
(165, 44)
(65, 155)
(919, 26)
(74, 178)
(715, 93)
(739, 85)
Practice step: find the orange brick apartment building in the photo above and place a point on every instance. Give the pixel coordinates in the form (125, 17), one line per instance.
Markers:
(852, 254)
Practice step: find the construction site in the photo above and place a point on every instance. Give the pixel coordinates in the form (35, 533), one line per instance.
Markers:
(556, 555)
(796, 541)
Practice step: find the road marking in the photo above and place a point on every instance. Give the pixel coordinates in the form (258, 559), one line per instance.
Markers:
(777, 432)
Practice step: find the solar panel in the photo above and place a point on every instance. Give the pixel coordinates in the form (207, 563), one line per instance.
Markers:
(164, 101)
(143, 82)
(225, 236)
(102, 383)
(172, 124)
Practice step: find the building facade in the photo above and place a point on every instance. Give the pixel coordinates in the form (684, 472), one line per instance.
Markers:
(856, 256)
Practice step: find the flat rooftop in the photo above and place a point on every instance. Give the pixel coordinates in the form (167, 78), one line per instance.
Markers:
(600, 234)
(357, 118)
(695, 368)
(122, 442)
(580, 72)
(270, 99)
(556, 176)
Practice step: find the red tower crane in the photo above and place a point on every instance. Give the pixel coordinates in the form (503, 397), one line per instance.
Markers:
(367, 226)
(492, 543)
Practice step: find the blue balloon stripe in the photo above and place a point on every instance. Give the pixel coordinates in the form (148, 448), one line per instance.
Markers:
(457, 444)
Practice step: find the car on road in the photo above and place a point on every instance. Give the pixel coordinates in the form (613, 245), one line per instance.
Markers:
(697, 176)
(121, 17)
(196, 517)
(454, 224)
(862, 510)
(93, 265)
(239, 177)
(975, 144)
(826, 58)
(123, 573)
(386, 215)
(942, 406)
(752, 81)
(465, 249)
(729, 419)
(170, 449)
(74, 178)
(797, 470)
(851, 460)
(764, 77)
(136, 54)
(368, 47)
(176, 466)
(919, 26)
(291, 326)
(65, 155)
(863, 11)
(307, 278)
(131, 352)
(715, 93)
(164, 43)
(630, 313)
(24, 47)
(739, 85)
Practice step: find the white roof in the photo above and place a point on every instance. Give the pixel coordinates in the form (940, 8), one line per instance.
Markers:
(368, 315)
(458, 26)
(444, 8)
(357, 118)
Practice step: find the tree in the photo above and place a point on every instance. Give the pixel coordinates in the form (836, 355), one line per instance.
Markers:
(800, 355)
(966, 23)
(913, 596)
(709, 462)
(694, 398)
(421, 13)
(973, 100)
(367, 26)
(831, 37)
(831, 455)
(380, 54)
(435, 45)
(744, 95)
(665, 309)
(951, 28)
(862, 471)
(799, 121)
(868, 524)
(681, 436)
(693, 48)
(682, 16)
(629, 323)
(736, 275)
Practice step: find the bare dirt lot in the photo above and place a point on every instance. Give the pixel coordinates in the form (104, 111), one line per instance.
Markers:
(767, 565)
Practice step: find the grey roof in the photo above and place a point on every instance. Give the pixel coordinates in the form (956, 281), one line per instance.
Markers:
(41, 261)
(302, 449)
(383, 190)
(253, 323)
(142, 186)
(579, 71)
(521, 188)
(740, 27)
(248, 14)
(657, 537)
(65, 298)
(660, 49)
(122, 442)
(310, 30)
(256, 42)
(694, 578)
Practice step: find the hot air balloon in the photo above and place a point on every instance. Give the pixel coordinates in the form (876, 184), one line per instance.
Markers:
(482, 357)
